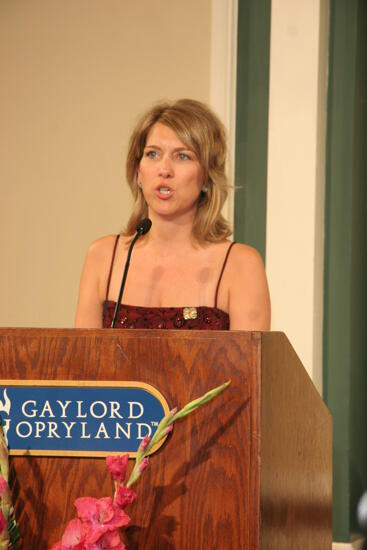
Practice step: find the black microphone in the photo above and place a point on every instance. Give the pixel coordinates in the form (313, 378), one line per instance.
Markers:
(142, 228)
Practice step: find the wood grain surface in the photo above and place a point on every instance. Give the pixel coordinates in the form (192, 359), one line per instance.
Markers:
(206, 487)
(296, 453)
(201, 489)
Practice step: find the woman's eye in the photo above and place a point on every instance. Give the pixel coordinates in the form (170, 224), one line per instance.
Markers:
(183, 156)
(151, 154)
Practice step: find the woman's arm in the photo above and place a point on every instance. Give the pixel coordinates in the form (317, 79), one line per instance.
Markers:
(93, 284)
(249, 300)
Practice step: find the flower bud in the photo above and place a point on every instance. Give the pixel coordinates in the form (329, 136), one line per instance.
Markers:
(144, 444)
(144, 463)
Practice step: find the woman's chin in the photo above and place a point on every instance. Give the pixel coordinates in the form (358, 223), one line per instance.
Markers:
(172, 216)
(171, 212)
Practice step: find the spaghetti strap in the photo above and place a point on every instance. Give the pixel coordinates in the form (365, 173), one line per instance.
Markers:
(221, 273)
(111, 267)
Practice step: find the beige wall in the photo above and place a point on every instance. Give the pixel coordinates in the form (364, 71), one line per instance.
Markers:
(74, 77)
(296, 174)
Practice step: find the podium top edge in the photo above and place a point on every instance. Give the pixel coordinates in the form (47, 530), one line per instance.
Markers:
(69, 331)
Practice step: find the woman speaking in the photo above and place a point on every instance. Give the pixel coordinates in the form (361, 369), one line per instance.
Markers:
(184, 272)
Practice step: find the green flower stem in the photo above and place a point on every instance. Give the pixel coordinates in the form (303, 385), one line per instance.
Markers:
(168, 420)
(4, 461)
(193, 405)
(134, 476)
(4, 543)
(160, 431)
(5, 504)
(9, 536)
(5, 499)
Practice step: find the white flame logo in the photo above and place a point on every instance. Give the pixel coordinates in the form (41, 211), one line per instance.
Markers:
(5, 406)
(6, 426)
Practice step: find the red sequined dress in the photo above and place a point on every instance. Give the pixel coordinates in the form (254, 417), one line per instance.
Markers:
(188, 318)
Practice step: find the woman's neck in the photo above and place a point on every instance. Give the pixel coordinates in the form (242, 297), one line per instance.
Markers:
(170, 237)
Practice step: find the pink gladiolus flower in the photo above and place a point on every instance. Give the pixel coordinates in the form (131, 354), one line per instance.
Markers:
(88, 509)
(144, 463)
(3, 485)
(124, 496)
(112, 541)
(144, 444)
(73, 537)
(100, 517)
(5, 496)
(2, 522)
(117, 466)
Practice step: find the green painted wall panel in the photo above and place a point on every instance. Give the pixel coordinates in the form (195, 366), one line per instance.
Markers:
(345, 321)
(338, 254)
(358, 412)
(252, 122)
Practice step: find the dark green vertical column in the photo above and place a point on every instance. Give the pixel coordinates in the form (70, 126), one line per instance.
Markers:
(358, 411)
(252, 122)
(345, 307)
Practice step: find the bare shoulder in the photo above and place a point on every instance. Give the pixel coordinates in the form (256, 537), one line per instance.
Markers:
(249, 301)
(101, 247)
(94, 281)
(101, 250)
(245, 259)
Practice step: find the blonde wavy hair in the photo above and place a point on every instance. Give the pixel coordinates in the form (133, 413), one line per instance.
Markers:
(202, 132)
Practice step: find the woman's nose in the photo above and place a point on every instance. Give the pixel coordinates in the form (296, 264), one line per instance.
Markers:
(165, 167)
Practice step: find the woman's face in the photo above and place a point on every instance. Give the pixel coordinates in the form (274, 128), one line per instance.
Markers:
(170, 175)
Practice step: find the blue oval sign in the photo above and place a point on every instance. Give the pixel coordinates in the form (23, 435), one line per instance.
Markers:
(79, 418)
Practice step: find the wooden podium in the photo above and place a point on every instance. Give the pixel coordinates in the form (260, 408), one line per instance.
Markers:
(250, 470)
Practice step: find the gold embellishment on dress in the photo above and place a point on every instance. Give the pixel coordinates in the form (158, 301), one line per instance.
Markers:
(190, 313)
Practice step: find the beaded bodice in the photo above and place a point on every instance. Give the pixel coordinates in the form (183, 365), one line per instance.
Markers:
(190, 318)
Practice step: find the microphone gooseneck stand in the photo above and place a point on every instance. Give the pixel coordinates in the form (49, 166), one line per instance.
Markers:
(142, 228)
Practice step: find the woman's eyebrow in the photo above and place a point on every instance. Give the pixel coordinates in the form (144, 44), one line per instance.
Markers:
(152, 146)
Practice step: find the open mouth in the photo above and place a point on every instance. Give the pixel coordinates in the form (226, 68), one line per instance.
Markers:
(164, 192)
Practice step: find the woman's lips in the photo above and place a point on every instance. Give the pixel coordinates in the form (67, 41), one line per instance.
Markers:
(164, 192)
